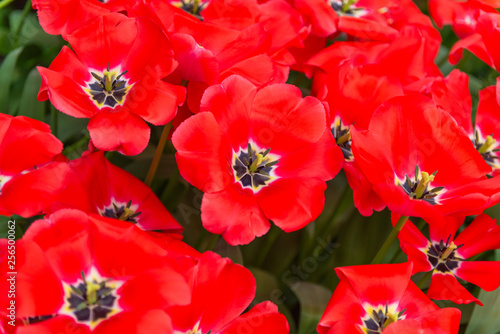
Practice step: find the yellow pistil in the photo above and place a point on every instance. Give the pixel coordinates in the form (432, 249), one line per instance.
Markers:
(423, 183)
(487, 146)
(108, 81)
(390, 319)
(452, 247)
(92, 289)
(127, 212)
(258, 161)
(344, 139)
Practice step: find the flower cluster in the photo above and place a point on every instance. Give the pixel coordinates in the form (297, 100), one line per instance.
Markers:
(104, 255)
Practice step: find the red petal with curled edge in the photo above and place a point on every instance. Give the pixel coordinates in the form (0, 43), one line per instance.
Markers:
(262, 318)
(153, 321)
(488, 113)
(444, 11)
(195, 62)
(104, 41)
(29, 136)
(440, 321)
(354, 93)
(154, 100)
(320, 15)
(29, 194)
(204, 33)
(413, 243)
(367, 29)
(230, 102)
(252, 41)
(487, 27)
(361, 53)
(365, 198)
(63, 84)
(232, 14)
(485, 274)
(37, 289)
(203, 153)
(283, 22)
(234, 213)
(63, 17)
(150, 55)
(260, 70)
(446, 287)
(64, 237)
(344, 310)
(322, 160)
(452, 94)
(119, 130)
(59, 324)
(155, 289)
(122, 250)
(377, 284)
(481, 235)
(284, 121)
(415, 303)
(221, 289)
(292, 203)
(473, 43)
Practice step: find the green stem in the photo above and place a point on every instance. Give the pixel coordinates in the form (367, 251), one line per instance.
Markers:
(170, 188)
(390, 240)
(327, 226)
(424, 279)
(5, 3)
(159, 152)
(271, 237)
(26, 10)
(54, 120)
(213, 240)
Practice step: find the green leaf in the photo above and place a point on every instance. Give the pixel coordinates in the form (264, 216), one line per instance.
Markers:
(6, 224)
(6, 71)
(485, 319)
(29, 106)
(313, 299)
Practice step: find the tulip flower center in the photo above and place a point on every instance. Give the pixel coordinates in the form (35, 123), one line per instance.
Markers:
(193, 7)
(108, 89)
(420, 186)
(346, 7)
(126, 212)
(253, 168)
(92, 300)
(379, 318)
(442, 256)
(342, 135)
(488, 148)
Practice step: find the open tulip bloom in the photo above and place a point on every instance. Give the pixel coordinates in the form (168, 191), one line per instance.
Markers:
(257, 155)
(447, 255)
(381, 298)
